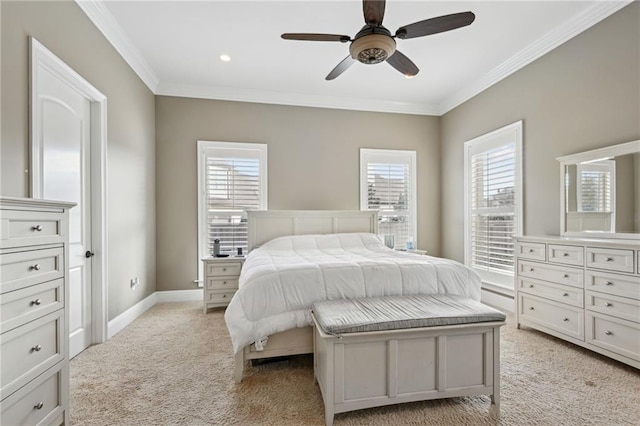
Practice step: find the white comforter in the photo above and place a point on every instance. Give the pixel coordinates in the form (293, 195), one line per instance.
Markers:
(281, 279)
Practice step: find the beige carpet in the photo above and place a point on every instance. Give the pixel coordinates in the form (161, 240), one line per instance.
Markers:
(173, 366)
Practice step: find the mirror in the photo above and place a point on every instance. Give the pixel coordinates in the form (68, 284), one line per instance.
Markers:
(601, 192)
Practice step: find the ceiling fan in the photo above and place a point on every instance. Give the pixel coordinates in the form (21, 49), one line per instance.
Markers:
(374, 43)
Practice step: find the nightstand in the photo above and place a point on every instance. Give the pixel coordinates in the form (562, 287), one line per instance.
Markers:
(221, 276)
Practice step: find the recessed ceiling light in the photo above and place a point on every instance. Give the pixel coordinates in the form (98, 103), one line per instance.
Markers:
(225, 58)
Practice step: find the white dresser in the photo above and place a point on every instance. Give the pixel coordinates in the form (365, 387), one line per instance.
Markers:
(34, 362)
(585, 291)
(221, 275)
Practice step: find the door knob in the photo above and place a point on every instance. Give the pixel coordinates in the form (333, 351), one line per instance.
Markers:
(89, 254)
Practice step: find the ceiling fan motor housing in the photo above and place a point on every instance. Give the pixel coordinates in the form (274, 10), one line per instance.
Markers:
(372, 48)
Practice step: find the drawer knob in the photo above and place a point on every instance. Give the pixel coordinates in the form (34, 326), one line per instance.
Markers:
(609, 259)
(565, 294)
(35, 267)
(608, 283)
(530, 285)
(530, 250)
(37, 228)
(39, 405)
(566, 276)
(608, 304)
(36, 348)
(36, 302)
(566, 254)
(565, 319)
(608, 333)
(530, 269)
(224, 269)
(224, 296)
(531, 308)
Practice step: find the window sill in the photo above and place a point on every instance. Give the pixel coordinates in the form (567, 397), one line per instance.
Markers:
(499, 289)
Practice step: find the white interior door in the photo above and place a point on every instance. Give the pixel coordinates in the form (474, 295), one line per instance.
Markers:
(64, 123)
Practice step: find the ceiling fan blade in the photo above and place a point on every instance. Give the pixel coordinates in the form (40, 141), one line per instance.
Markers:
(373, 11)
(403, 64)
(340, 68)
(436, 25)
(316, 37)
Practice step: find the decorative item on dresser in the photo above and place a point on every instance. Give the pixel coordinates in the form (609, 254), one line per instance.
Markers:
(585, 291)
(34, 339)
(221, 276)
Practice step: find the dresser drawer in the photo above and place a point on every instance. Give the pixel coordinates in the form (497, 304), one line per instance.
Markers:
(24, 228)
(40, 402)
(533, 251)
(611, 259)
(619, 285)
(21, 306)
(556, 274)
(561, 293)
(30, 350)
(613, 334)
(26, 268)
(567, 255)
(223, 269)
(222, 298)
(228, 284)
(562, 318)
(619, 307)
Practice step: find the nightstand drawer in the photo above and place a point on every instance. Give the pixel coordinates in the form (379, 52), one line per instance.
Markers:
(615, 335)
(220, 297)
(567, 255)
(556, 316)
(24, 228)
(26, 268)
(560, 293)
(612, 259)
(21, 306)
(228, 284)
(619, 307)
(533, 251)
(38, 403)
(557, 274)
(224, 269)
(29, 350)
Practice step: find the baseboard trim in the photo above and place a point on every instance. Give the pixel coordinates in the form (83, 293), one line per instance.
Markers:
(179, 296)
(119, 323)
(497, 300)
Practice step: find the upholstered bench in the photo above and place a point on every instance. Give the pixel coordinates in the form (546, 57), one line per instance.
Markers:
(387, 350)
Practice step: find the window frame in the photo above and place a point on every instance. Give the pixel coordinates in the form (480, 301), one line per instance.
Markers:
(500, 282)
(203, 146)
(398, 157)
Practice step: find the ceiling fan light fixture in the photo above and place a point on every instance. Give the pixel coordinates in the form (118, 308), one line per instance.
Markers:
(372, 48)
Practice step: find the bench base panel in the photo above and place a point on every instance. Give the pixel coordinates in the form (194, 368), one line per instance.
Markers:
(364, 370)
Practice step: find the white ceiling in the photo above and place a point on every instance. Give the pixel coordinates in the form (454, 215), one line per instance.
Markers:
(175, 46)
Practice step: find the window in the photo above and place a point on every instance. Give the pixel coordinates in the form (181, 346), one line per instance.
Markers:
(232, 178)
(493, 204)
(596, 186)
(388, 184)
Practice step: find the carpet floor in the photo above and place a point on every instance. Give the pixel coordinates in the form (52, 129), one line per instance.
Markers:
(174, 366)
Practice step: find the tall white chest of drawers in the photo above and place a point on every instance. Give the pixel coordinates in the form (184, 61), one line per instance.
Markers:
(585, 291)
(34, 362)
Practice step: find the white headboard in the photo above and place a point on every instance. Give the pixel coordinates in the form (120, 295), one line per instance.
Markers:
(265, 225)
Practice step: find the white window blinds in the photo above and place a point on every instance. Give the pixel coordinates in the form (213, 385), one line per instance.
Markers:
(492, 208)
(493, 199)
(595, 189)
(233, 181)
(388, 185)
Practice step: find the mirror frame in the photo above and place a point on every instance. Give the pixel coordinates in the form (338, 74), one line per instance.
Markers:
(632, 147)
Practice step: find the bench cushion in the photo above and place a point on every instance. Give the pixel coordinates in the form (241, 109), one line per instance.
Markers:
(398, 312)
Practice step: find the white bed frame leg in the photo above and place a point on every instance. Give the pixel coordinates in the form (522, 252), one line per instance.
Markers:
(239, 366)
(495, 398)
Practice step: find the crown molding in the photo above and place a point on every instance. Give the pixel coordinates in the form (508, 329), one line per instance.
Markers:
(538, 48)
(292, 99)
(113, 32)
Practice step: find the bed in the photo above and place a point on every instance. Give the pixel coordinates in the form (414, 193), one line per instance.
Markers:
(300, 257)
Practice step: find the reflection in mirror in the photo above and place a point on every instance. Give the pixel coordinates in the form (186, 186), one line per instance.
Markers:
(602, 193)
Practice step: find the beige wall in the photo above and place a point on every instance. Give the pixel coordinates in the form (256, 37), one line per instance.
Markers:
(583, 95)
(65, 30)
(313, 164)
